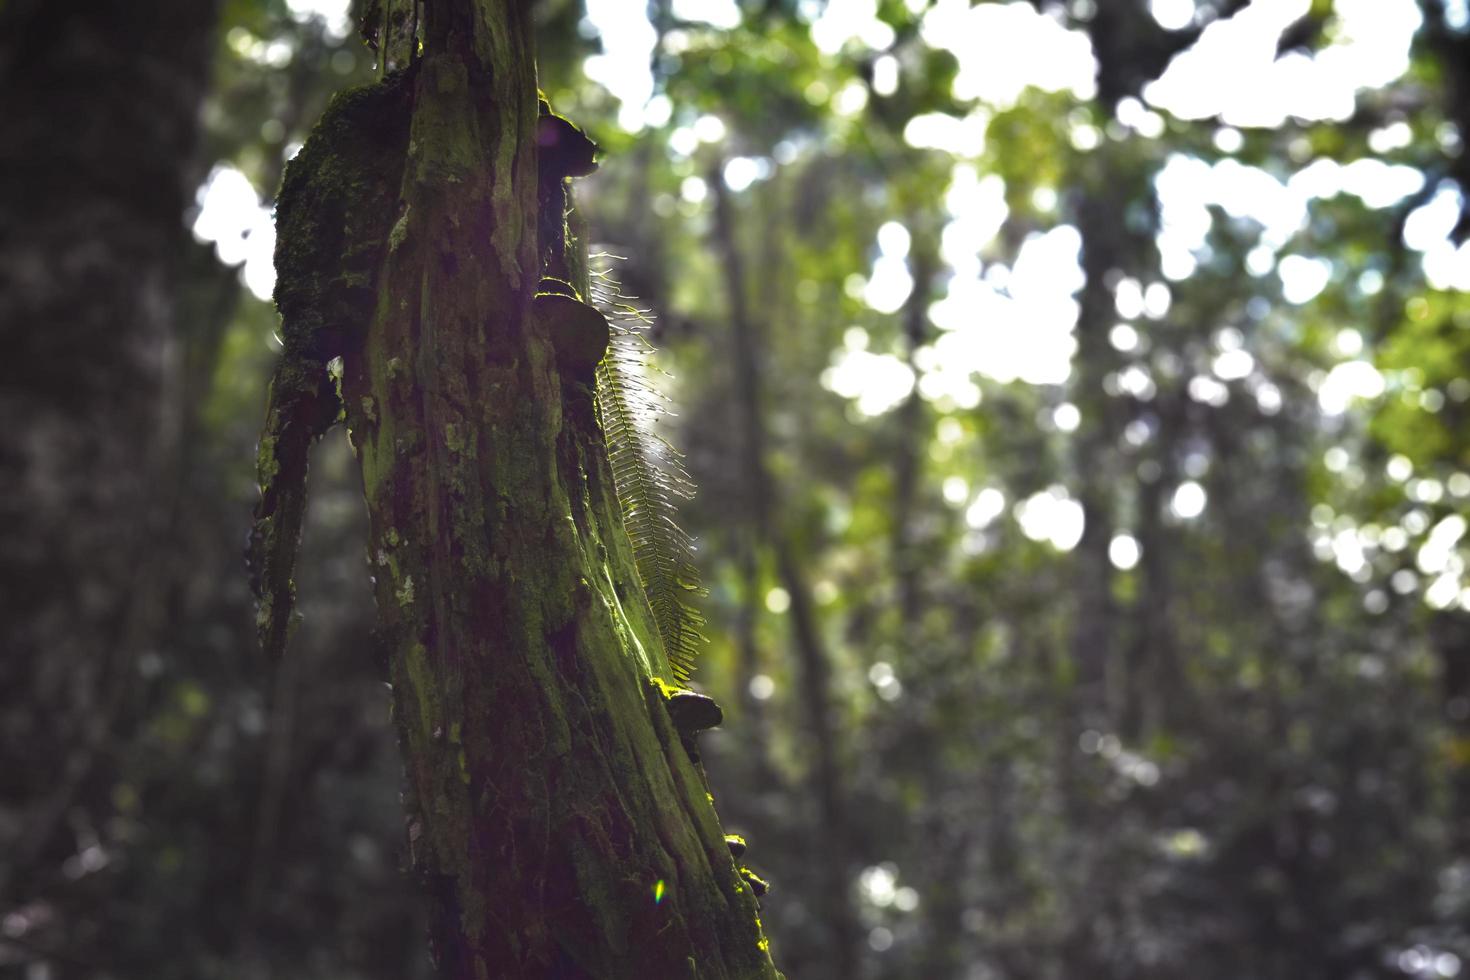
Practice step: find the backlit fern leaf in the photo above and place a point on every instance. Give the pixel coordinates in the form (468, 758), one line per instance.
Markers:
(649, 475)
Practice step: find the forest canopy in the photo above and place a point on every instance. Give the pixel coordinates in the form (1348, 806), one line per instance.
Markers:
(1078, 400)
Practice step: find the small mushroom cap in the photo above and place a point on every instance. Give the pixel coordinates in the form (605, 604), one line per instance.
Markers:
(564, 146)
(757, 884)
(736, 843)
(579, 333)
(693, 712)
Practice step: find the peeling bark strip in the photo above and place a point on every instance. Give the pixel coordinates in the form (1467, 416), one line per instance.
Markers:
(554, 816)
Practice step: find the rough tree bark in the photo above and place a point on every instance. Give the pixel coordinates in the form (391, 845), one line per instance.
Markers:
(553, 814)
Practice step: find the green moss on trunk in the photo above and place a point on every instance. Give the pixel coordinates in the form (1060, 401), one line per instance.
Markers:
(555, 817)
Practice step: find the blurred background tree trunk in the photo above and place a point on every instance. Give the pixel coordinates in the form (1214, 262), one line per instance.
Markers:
(102, 104)
(773, 533)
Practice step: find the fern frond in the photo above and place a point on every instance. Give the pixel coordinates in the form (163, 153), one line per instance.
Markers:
(649, 474)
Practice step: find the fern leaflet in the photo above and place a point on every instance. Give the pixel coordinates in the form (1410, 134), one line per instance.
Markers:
(649, 475)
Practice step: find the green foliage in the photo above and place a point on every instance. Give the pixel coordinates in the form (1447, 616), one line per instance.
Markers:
(650, 477)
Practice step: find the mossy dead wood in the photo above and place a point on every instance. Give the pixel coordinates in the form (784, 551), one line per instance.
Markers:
(554, 814)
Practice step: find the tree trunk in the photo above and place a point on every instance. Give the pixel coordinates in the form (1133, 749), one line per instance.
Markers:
(553, 814)
(830, 839)
(1100, 220)
(101, 107)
